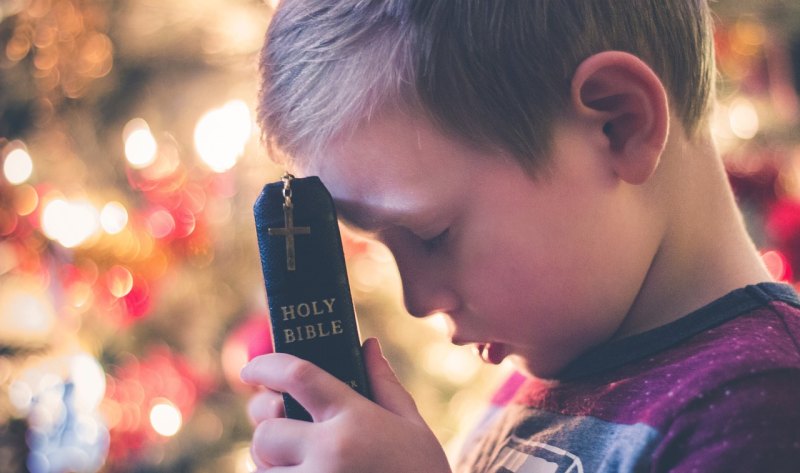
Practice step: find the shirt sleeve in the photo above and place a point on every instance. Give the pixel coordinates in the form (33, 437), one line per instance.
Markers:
(749, 424)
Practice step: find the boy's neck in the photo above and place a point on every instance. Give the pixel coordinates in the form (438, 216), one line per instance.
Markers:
(705, 251)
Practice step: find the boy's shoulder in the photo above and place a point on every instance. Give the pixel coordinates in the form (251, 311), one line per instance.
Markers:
(753, 332)
(716, 392)
(751, 328)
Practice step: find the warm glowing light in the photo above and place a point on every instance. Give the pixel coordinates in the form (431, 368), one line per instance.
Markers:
(26, 200)
(743, 119)
(165, 418)
(70, 223)
(89, 380)
(244, 461)
(456, 364)
(140, 144)
(113, 217)
(119, 281)
(37, 317)
(161, 223)
(79, 295)
(441, 323)
(25, 313)
(18, 166)
(777, 265)
(749, 35)
(221, 135)
(8, 259)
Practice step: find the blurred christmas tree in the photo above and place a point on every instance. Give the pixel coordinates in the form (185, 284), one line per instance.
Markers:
(130, 291)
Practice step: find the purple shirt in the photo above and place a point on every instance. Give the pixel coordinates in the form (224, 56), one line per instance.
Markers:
(715, 391)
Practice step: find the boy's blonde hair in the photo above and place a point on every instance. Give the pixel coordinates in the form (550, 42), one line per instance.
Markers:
(494, 73)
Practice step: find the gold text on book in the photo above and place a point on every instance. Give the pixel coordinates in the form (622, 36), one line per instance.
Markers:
(307, 309)
(312, 331)
(310, 310)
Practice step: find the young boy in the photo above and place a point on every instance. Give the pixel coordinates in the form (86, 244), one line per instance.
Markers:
(543, 172)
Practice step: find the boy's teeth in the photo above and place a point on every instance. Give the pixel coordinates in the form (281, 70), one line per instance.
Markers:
(483, 351)
(492, 353)
(479, 349)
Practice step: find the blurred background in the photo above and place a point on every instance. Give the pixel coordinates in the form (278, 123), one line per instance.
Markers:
(130, 285)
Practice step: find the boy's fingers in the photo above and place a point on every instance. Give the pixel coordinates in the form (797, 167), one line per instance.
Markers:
(386, 388)
(319, 392)
(280, 469)
(265, 405)
(260, 465)
(279, 442)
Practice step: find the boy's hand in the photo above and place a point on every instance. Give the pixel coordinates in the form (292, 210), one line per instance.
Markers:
(350, 433)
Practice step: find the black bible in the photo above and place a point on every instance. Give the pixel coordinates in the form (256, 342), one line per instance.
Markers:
(308, 293)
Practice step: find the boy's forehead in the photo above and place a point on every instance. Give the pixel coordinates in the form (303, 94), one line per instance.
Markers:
(367, 195)
(392, 168)
(370, 203)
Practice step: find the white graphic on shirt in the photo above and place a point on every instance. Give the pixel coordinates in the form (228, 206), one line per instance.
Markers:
(526, 456)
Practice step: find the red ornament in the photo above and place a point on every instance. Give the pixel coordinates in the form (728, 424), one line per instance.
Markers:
(135, 386)
(783, 227)
(137, 302)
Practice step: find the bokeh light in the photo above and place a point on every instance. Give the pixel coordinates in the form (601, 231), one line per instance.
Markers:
(20, 395)
(165, 418)
(17, 166)
(441, 323)
(140, 144)
(777, 265)
(244, 461)
(79, 295)
(26, 199)
(26, 314)
(89, 379)
(456, 364)
(160, 223)
(221, 135)
(70, 223)
(113, 217)
(137, 302)
(743, 119)
(119, 281)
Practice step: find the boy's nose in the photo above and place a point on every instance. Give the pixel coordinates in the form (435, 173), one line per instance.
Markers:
(423, 304)
(426, 279)
(426, 288)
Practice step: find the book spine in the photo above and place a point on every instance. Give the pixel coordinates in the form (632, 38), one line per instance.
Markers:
(311, 308)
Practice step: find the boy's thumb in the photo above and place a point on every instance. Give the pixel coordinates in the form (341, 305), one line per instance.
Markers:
(386, 388)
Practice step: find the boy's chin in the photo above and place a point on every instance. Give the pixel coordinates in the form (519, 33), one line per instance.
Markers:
(534, 368)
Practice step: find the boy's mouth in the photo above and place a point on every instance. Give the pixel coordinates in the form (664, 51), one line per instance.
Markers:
(490, 352)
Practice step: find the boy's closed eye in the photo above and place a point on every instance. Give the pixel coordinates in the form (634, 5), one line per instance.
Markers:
(370, 227)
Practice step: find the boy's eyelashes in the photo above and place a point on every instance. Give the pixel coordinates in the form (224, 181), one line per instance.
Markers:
(404, 236)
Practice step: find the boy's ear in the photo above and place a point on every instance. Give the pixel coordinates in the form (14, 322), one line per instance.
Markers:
(621, 95)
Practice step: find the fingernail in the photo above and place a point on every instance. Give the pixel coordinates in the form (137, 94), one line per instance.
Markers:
(376, 342)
